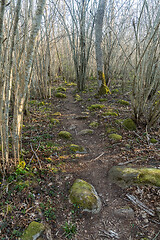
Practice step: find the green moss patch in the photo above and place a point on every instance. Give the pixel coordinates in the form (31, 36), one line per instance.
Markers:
(71, 84)
(54, 121)
(76, 148)
(60, 95)
(57, 114)
(96, 107)
(110, 113)
(129, 124)
(115, 137)
(94, 124)
(33, 231)
(61, 89)
(153, 140)
(65, 134)
(103, 99)
(78, 98)
(123, 102)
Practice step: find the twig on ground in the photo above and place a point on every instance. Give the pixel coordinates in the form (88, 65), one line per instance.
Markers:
(156, 235)
(36, 156)
(97, 157)
(135, 201)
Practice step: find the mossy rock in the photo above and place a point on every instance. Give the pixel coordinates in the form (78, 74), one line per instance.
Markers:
(78, 98)
(65, 134)
(86, 132)
(54, 121)
(96, 107)
(84, 195)
(57, 114)
(60, 95)
(153, 140)
(61, 89)
(129, 124)
(76, 148)
(94, 124)
(33, 231)
(115, 137)
(123, 102)
(125, 177)
(110, 113)
(71, 84)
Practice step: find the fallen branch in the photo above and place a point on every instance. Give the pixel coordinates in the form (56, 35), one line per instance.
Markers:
(110, 233)
(35, 156)
(156, 235)
(135, 201)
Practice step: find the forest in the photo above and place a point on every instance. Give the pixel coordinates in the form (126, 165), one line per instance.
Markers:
(79, 119)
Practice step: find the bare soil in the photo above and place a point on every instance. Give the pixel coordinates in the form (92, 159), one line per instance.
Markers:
(52, 168)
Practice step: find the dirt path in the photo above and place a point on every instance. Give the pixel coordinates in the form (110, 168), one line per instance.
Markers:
(93, 167)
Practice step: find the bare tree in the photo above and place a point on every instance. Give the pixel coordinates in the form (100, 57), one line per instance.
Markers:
(103, 89)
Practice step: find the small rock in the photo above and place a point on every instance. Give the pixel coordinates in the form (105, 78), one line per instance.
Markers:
(124, 212)
(72, 127)
(115, 137)
(65, 134)
(33, 231)
(85, 132)
(146, 220)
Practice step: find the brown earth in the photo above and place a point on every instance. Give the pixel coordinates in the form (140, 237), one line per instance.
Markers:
(59, 168)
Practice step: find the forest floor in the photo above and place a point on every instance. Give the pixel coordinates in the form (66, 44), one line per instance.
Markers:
(38, 191)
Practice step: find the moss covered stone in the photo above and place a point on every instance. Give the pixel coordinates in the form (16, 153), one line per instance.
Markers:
(60, 95)
(153, 140)
(96, 106)
(65, 134)
(57, 114)
(115, 137)
(129, 124)
(61, 89)
(123, 102)
(33, 231)
(78, 98)
(103, 99)
(76, 148)
(86, 132)
(54, 121)
(130, 176)
(71, 84)
(94, 124)
(84, 195)
(110, 113)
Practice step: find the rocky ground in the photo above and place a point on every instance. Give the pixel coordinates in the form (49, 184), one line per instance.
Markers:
(38, 189)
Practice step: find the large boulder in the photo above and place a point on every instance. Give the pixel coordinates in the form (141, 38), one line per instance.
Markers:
(84, 195)
(126, 176)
